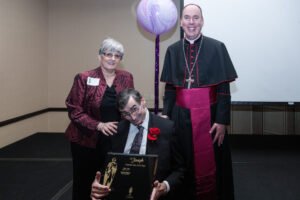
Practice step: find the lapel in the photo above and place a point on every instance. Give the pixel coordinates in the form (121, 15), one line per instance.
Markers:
(119, 140)
(152, 146)
(118, 81)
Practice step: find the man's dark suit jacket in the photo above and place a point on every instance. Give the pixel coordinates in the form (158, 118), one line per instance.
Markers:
(170, 162)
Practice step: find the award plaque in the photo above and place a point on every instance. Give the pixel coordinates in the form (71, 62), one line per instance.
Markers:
(129, 176)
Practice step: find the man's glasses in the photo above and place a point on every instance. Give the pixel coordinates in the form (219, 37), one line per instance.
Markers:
(111, 55)
(133, 110)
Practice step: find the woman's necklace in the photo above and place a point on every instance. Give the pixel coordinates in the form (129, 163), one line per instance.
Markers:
(109, 77)
(190, 80)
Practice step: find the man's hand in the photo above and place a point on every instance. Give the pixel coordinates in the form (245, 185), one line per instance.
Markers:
(99, 191)
(159, 189)
(219, 132)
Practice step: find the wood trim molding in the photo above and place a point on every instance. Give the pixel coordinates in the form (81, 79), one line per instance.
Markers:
(29, 115)
(39, 112)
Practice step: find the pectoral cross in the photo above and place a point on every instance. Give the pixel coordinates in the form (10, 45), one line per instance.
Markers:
(189, 80)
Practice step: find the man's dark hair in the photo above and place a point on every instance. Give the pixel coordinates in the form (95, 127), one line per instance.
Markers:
(123, 97)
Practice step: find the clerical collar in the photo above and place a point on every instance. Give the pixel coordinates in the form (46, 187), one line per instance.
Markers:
(193, 41)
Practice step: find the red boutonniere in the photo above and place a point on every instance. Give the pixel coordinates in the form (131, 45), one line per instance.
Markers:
(153, 134)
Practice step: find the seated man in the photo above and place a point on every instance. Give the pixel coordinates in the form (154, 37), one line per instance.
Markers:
(170, 167)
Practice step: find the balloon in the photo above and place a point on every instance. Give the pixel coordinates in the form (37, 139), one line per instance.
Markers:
(156, 16)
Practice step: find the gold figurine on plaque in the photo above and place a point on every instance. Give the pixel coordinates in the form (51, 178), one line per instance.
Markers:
(110, 172)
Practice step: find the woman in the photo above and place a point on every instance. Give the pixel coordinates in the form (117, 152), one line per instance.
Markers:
(94, 115)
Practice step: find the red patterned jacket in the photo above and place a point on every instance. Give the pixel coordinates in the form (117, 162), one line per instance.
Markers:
(83, 103)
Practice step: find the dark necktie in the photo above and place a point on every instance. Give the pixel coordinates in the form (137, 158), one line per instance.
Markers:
(135, 148)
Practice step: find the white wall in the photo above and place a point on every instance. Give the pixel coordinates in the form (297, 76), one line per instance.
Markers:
(263, 40)
(23, 70)
(44, 43)
(76, 30)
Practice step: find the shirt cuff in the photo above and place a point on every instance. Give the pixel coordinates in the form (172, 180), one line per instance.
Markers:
(168, 186)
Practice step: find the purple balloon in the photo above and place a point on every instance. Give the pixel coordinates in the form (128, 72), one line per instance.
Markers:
(156, 16)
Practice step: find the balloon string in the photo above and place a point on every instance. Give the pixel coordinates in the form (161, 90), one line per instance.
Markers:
(156, 92)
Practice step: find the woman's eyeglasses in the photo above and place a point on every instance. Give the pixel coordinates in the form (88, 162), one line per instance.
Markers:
(111, 55)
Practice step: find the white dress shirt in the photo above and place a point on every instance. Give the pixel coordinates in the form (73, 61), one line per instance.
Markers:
(133, 130)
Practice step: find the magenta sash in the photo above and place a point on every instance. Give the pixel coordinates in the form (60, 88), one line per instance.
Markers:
(198, 100)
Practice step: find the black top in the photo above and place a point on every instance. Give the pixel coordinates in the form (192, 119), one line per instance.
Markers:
(109, 112)
(108, 108)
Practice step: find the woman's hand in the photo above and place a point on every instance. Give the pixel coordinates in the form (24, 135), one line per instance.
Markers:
(107, 128)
